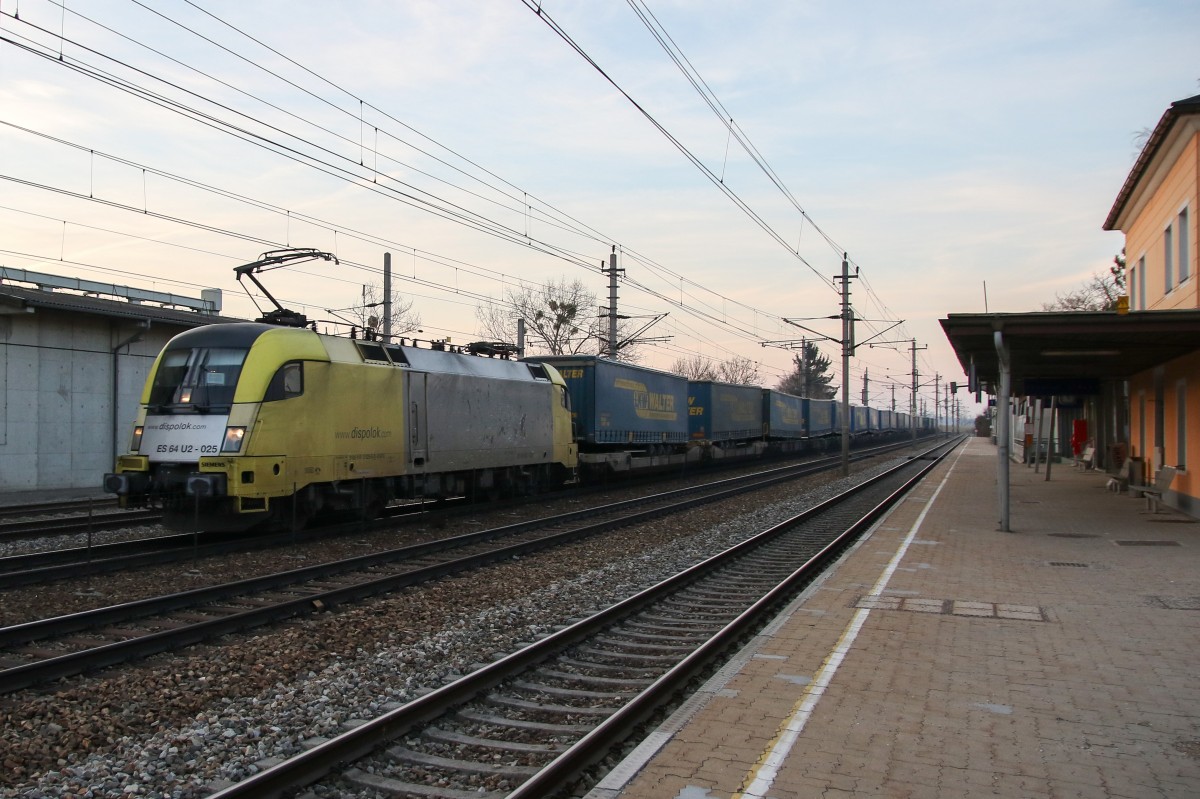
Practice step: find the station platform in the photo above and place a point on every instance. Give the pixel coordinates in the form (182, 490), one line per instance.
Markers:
(944, 658)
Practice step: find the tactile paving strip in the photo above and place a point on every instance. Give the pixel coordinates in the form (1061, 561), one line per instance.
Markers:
(951, 607)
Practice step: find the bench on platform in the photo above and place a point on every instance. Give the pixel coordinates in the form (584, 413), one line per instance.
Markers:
(1119, 483)
(1086, 458)
(1154, 493)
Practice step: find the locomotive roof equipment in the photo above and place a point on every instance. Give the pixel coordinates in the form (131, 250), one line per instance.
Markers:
(285, 317)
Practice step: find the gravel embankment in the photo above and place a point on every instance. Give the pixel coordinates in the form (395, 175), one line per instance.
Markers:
(171, 725)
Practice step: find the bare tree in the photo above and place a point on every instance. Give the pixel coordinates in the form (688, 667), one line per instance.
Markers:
(697, 367)
(737, 370)
(404, 318)
(1139, 140)
(560, 317)
(1099, 293)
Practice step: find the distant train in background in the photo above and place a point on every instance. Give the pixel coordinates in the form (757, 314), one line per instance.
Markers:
(247, 424)
(629, 417)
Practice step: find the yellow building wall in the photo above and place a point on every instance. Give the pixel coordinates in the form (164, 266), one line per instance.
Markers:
(1144, 241)
(1185, 371)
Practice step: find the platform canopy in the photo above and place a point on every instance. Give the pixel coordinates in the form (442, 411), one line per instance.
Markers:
(1069, 352)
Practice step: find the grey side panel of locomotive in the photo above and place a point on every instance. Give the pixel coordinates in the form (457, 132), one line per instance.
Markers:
(463, 421)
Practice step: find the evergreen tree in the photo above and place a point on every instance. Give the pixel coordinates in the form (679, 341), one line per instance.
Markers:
(811, 377)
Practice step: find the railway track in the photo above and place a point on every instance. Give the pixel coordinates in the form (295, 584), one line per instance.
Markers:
(50, 565)
(27, 528)
(64, 506)
(539, 720)
(49, 649)
(47, 566)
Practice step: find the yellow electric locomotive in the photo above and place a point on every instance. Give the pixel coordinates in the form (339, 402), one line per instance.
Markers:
(247, 423)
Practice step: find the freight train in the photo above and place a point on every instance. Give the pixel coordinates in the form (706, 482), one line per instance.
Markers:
(246, 424)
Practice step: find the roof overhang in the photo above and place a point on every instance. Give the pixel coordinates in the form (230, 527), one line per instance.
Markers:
(1071, 352)
(1162, 147)
(19, 300)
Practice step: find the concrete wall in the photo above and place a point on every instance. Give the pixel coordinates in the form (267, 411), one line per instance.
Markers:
(56, 387)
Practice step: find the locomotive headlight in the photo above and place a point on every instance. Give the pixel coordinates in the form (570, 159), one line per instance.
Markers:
(136, 444)
(233, 439)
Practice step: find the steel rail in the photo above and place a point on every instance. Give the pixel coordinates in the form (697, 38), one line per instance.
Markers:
(74, 525)
(623, 513)
(595, 745)
(322, 759)
(65, 506)
(44, 567)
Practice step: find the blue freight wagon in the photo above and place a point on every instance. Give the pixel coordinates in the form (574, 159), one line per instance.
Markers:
(618, 404)
(784, 415)
(822, 417)
(722, 412)
(860, 421)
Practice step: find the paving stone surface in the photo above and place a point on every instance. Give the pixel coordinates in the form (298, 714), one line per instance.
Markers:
(1046, 662)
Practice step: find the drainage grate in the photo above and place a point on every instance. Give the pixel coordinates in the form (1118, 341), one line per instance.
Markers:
(1072, 535)
(1065, 563)
(1146, 543)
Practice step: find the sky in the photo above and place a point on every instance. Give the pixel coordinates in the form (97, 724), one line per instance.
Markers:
(963, 155)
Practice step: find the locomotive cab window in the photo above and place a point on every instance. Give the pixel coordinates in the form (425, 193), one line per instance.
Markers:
(287, 382)
(197, 379)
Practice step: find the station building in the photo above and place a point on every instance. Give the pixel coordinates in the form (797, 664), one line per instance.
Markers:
(1130, 377)
(74, 357)
(1158, 209)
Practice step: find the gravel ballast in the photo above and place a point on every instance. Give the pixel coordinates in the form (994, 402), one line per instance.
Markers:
(173, 725)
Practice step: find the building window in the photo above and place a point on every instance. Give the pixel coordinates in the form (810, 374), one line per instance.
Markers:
(1141, 284)
(1168, 259)
(1184, 256)
(1181, 424)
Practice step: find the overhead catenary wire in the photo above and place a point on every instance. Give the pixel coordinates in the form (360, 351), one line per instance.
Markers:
(706, 310)
(430, 203)
(726, 119)
(541, 13)
(579, 260)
